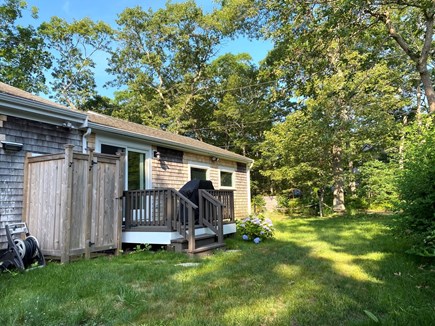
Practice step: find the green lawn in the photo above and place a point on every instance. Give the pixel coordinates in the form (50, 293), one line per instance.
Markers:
(333, 271)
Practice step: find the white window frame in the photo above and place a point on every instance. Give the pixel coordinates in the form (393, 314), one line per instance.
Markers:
(233, 177)
(198, 165)
(129, 146)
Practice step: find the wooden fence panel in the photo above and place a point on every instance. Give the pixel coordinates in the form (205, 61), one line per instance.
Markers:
(72, 202)
(43, 201)
(104, 230)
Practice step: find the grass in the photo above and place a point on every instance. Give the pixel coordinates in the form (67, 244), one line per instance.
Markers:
(332, 271)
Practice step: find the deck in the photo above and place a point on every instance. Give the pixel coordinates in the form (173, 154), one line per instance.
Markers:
(165, 216)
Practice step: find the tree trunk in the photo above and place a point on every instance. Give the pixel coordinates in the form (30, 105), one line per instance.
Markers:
(320, 194)
(428, 89)
(337, 170)
(352, 182)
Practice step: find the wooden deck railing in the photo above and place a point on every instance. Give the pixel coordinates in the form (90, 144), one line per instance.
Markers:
(156, 208)
(226, 197)
(210, 213)
(168, 210)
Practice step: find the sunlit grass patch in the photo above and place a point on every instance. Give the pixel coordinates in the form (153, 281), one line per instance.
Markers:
(315, 272)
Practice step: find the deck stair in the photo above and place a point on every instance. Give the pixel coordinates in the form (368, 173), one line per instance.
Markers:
(203, 243)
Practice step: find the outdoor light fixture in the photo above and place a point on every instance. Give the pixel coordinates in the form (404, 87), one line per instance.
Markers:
(11, 146)
(157, 155)
(214, 158)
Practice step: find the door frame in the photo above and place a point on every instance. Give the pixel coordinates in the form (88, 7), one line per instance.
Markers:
(124, 142)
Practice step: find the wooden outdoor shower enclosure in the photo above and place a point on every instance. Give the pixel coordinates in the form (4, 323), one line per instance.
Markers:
(73, 202)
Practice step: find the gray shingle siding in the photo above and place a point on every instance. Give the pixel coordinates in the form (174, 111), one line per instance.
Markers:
(36, 137)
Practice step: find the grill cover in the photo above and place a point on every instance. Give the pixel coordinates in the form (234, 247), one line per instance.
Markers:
(190, 191)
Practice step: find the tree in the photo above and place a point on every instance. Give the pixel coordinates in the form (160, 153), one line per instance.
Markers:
(417, 189)
(239, 99)
(74, 46)
(348, 121)
(23, 56)
(162, 57)
(394, 28)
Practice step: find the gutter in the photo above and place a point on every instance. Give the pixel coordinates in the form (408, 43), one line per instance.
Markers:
(29, 109)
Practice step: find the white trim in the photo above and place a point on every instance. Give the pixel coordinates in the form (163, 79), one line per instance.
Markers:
(164, 238)
(17, 106)
(248, 187)
(198, 165)
(233, 177)
(133, 147)
(171, 144)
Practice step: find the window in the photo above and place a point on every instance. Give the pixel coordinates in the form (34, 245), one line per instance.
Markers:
(136, 171)
(226, 179)
(112, 150)
(135, 166)
(198, 174)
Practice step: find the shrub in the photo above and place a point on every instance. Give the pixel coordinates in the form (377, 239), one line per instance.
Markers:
(255, 228)
(258, 203)
(378, 188)
(417, 191)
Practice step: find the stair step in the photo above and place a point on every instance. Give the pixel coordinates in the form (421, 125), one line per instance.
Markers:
(197, 238)
(206, 241)
(206, 248)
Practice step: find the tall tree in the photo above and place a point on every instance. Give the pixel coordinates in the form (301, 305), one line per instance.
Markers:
(304, 28)
(74, 47)
(239, 99)
(348, 121)
(23, 56)
(162, 57)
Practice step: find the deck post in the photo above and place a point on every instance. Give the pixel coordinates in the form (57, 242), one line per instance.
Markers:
(169, 209)
(88, 204)
(201, 205)
(220, 224)
(191, 237)
(66, 209)
(119, 188)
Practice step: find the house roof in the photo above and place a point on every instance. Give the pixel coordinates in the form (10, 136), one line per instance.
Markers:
(160, 137)
(19, 103)
(19, 93)
(16, 102)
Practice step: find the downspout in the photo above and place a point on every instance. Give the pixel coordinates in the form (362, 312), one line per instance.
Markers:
(85, 136)
(248, 187)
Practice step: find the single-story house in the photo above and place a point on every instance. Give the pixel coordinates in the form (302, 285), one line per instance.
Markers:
(154, 159)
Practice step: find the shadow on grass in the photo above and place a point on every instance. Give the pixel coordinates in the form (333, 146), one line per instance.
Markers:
(335, 271)
(318, 271)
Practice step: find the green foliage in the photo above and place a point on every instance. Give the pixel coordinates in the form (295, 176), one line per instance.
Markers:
(23, 55)
(141, 248)
(74, 47)
(255, 228)
(377, 188)
(417, 188)
(258, 203)
(162, 57)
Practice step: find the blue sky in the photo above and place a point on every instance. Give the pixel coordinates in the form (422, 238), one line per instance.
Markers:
(107, 10)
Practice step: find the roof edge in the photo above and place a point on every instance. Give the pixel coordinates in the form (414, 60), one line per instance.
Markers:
(168, 143)
(26, 108)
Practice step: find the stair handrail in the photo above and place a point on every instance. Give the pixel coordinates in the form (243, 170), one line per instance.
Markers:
(207, 220)
(189, 232)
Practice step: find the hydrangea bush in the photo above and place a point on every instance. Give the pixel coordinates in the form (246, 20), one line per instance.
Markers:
(255, 228)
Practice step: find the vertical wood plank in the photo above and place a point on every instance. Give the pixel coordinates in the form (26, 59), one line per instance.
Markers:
(67, 198)
(88, 202)
(119, 187)
(26, 189)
